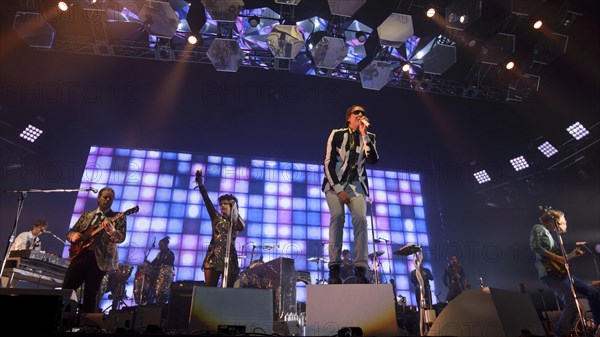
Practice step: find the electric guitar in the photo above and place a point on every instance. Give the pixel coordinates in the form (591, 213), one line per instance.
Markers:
(557, 267)
(88, 236)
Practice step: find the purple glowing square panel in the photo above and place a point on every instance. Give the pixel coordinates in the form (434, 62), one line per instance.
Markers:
(281, 201)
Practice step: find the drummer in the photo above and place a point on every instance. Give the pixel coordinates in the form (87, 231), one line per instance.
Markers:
(165, 257)
(347, 267)
(158, 276)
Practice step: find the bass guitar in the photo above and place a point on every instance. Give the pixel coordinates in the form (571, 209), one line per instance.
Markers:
(88, 237)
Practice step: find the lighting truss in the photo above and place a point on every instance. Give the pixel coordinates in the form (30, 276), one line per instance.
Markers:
(519, 163)
(547, 149)
(578, 131)
(482, 176)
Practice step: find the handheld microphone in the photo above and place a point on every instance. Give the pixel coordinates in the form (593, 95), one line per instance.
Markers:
(365, 122)
(154, 242)
(580, 243)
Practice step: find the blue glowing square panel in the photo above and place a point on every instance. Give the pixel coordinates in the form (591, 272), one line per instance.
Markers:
(281, 201)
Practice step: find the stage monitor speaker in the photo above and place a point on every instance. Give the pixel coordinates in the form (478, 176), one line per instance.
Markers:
(180, 302)
(38, 310)
(371, 307)
(488, 312)
(239, 310)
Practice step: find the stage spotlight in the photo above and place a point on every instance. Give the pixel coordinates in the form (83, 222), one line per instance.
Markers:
(430, 12)
(482, 176)
(547, 149)
(510, 65)
(578, 131)
(538, 24)
(254, 21)
(63, 6)
(361, 37)
(31, 133)
(519, 163)
(192, 39)
(462, 13)
(406, 67)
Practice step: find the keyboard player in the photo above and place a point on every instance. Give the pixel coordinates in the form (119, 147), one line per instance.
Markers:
(29, 240)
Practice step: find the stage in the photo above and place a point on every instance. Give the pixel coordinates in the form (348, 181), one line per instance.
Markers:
(370, 311)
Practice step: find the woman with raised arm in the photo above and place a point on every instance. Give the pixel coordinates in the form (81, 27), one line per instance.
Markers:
(225, 227)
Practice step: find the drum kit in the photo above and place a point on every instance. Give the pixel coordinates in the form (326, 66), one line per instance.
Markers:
(320, 268)
(152, 283)
(115, 282)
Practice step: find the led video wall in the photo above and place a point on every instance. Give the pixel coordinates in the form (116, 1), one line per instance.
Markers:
(281, 201)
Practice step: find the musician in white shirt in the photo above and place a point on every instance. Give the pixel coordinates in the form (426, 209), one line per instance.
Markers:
(30, 239)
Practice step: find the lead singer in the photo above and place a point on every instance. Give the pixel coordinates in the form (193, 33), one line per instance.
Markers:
(228, 222)
(346, 183)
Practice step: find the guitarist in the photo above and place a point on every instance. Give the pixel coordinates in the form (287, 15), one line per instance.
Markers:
(90, 264)
(551, 269)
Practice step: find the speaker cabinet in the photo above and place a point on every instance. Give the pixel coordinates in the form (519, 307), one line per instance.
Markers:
(38, 310)
(232, 310)
(488, 312)
(180, 302)
(371, 307)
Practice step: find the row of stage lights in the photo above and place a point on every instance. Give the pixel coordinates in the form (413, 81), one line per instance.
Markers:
(519, 163)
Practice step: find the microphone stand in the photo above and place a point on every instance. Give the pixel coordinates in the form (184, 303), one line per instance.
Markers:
(20, 202)
(228, 250)
(375, 259)
(568, 269)
(57, 238)
(144, 276)
(418, 262)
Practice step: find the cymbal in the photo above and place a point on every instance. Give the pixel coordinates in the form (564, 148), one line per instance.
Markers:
(379, 253)
(317, 259)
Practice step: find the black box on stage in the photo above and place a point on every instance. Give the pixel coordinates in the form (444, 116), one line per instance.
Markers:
(121, 320)
(148, 318)
(180, 302)
(38, 310)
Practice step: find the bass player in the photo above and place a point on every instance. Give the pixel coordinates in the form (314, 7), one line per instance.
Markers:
(550, 264)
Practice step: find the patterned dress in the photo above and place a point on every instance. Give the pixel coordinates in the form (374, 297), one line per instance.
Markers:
(215, 256)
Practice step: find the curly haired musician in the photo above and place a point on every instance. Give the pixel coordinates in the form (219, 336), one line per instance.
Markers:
(550, 265)
(228, 222)
(91, 262)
